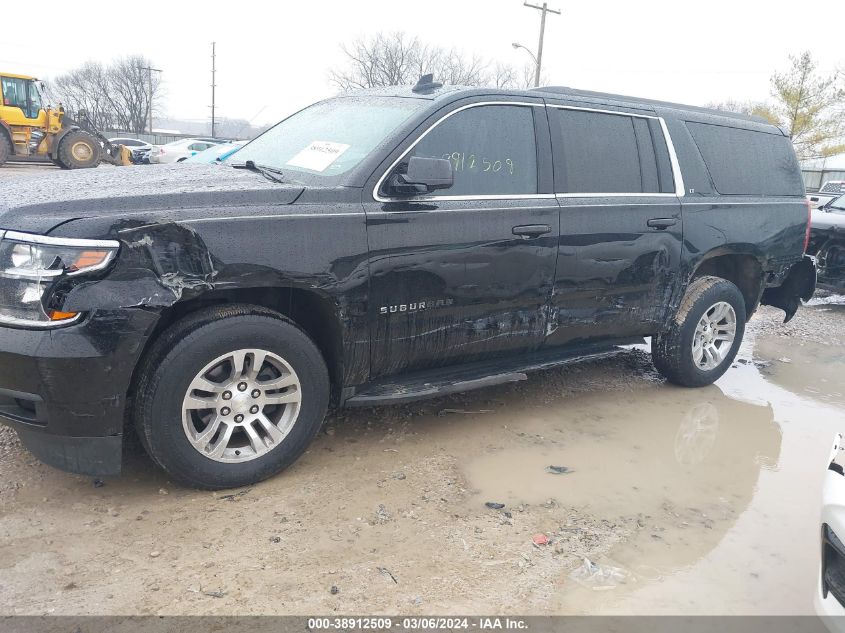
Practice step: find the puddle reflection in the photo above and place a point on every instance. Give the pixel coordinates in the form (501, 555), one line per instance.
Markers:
(687, 447)
(680, 464)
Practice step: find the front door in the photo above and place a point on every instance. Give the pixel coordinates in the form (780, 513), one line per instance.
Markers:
(465, 273)
(621, 230)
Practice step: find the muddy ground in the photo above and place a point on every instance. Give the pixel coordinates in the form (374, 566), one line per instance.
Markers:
(684, 501)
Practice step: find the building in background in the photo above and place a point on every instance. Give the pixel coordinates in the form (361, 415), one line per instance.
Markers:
(817, 171)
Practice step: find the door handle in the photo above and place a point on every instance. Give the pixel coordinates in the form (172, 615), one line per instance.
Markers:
(661, 224)
(531, 230)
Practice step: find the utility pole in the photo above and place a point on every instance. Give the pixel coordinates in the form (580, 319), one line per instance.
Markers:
(544, 10)
(213, 83)
(150, 72)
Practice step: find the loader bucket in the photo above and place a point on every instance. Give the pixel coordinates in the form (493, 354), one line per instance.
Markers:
(120, 155)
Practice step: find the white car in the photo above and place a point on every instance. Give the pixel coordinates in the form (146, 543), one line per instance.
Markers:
(131, 143)
(830, 588)
(180, 150)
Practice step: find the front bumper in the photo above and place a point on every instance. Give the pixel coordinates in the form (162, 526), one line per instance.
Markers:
(64, 390)
(829, 586)
(830, 611)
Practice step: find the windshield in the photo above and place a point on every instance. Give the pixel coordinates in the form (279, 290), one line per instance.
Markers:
(328, 138)
(837, 203)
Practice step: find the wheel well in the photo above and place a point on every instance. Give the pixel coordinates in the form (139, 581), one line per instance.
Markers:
(744, 271)
(311, 312)
(57, 140)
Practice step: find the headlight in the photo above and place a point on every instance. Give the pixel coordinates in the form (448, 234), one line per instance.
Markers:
(31, 264)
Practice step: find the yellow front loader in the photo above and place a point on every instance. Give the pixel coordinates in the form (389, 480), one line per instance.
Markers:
(29, 130)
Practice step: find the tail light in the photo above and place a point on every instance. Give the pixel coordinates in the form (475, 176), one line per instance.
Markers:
(809, 226)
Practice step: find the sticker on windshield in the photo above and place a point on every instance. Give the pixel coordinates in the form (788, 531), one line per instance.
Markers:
(319, 155)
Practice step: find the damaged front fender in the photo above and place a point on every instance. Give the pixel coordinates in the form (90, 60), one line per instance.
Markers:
(158, 265)
(798, 285)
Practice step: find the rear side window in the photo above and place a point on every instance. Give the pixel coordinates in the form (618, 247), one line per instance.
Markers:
(747, 162)
(598, 152)
(492, 149)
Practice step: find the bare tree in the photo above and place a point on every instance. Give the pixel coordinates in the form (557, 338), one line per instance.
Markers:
(83, 89)
(129, 91)
(114, 97)
(391, 59)
(504, 76)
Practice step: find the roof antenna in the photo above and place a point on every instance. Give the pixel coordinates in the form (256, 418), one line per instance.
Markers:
(427, 85)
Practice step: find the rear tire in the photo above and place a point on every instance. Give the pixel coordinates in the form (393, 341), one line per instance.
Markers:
(5, 148)
(694, 350)
(79, 150)
(235, 353)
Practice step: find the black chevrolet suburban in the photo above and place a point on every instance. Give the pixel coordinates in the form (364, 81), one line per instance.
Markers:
(378, 248)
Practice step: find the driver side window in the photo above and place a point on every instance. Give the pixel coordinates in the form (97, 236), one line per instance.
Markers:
(492, 150)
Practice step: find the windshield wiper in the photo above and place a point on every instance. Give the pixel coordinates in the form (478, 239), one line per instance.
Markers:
(270, 173)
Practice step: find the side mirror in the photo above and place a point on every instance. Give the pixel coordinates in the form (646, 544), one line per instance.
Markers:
(423, 176)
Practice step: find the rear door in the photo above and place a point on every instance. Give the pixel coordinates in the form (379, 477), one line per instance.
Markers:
(465, 273)
(621, 229)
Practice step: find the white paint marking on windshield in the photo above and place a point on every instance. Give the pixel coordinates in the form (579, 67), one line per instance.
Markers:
(319, 155)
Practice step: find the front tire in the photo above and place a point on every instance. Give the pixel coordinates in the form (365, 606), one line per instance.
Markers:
(703, 338)
(79, 150)
(230, 396)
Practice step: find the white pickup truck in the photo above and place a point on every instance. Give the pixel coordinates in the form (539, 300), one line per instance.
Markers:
(830, 190)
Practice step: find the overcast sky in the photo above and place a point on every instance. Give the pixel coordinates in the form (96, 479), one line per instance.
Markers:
(273, 57)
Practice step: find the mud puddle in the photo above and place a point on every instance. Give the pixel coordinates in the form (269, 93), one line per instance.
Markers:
(723, 484)
(680, 444)
(809, 369)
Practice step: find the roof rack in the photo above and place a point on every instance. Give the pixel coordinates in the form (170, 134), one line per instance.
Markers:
(576, 93)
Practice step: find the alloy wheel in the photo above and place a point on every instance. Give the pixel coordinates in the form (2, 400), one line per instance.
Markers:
(714, 336)
(241, 405)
